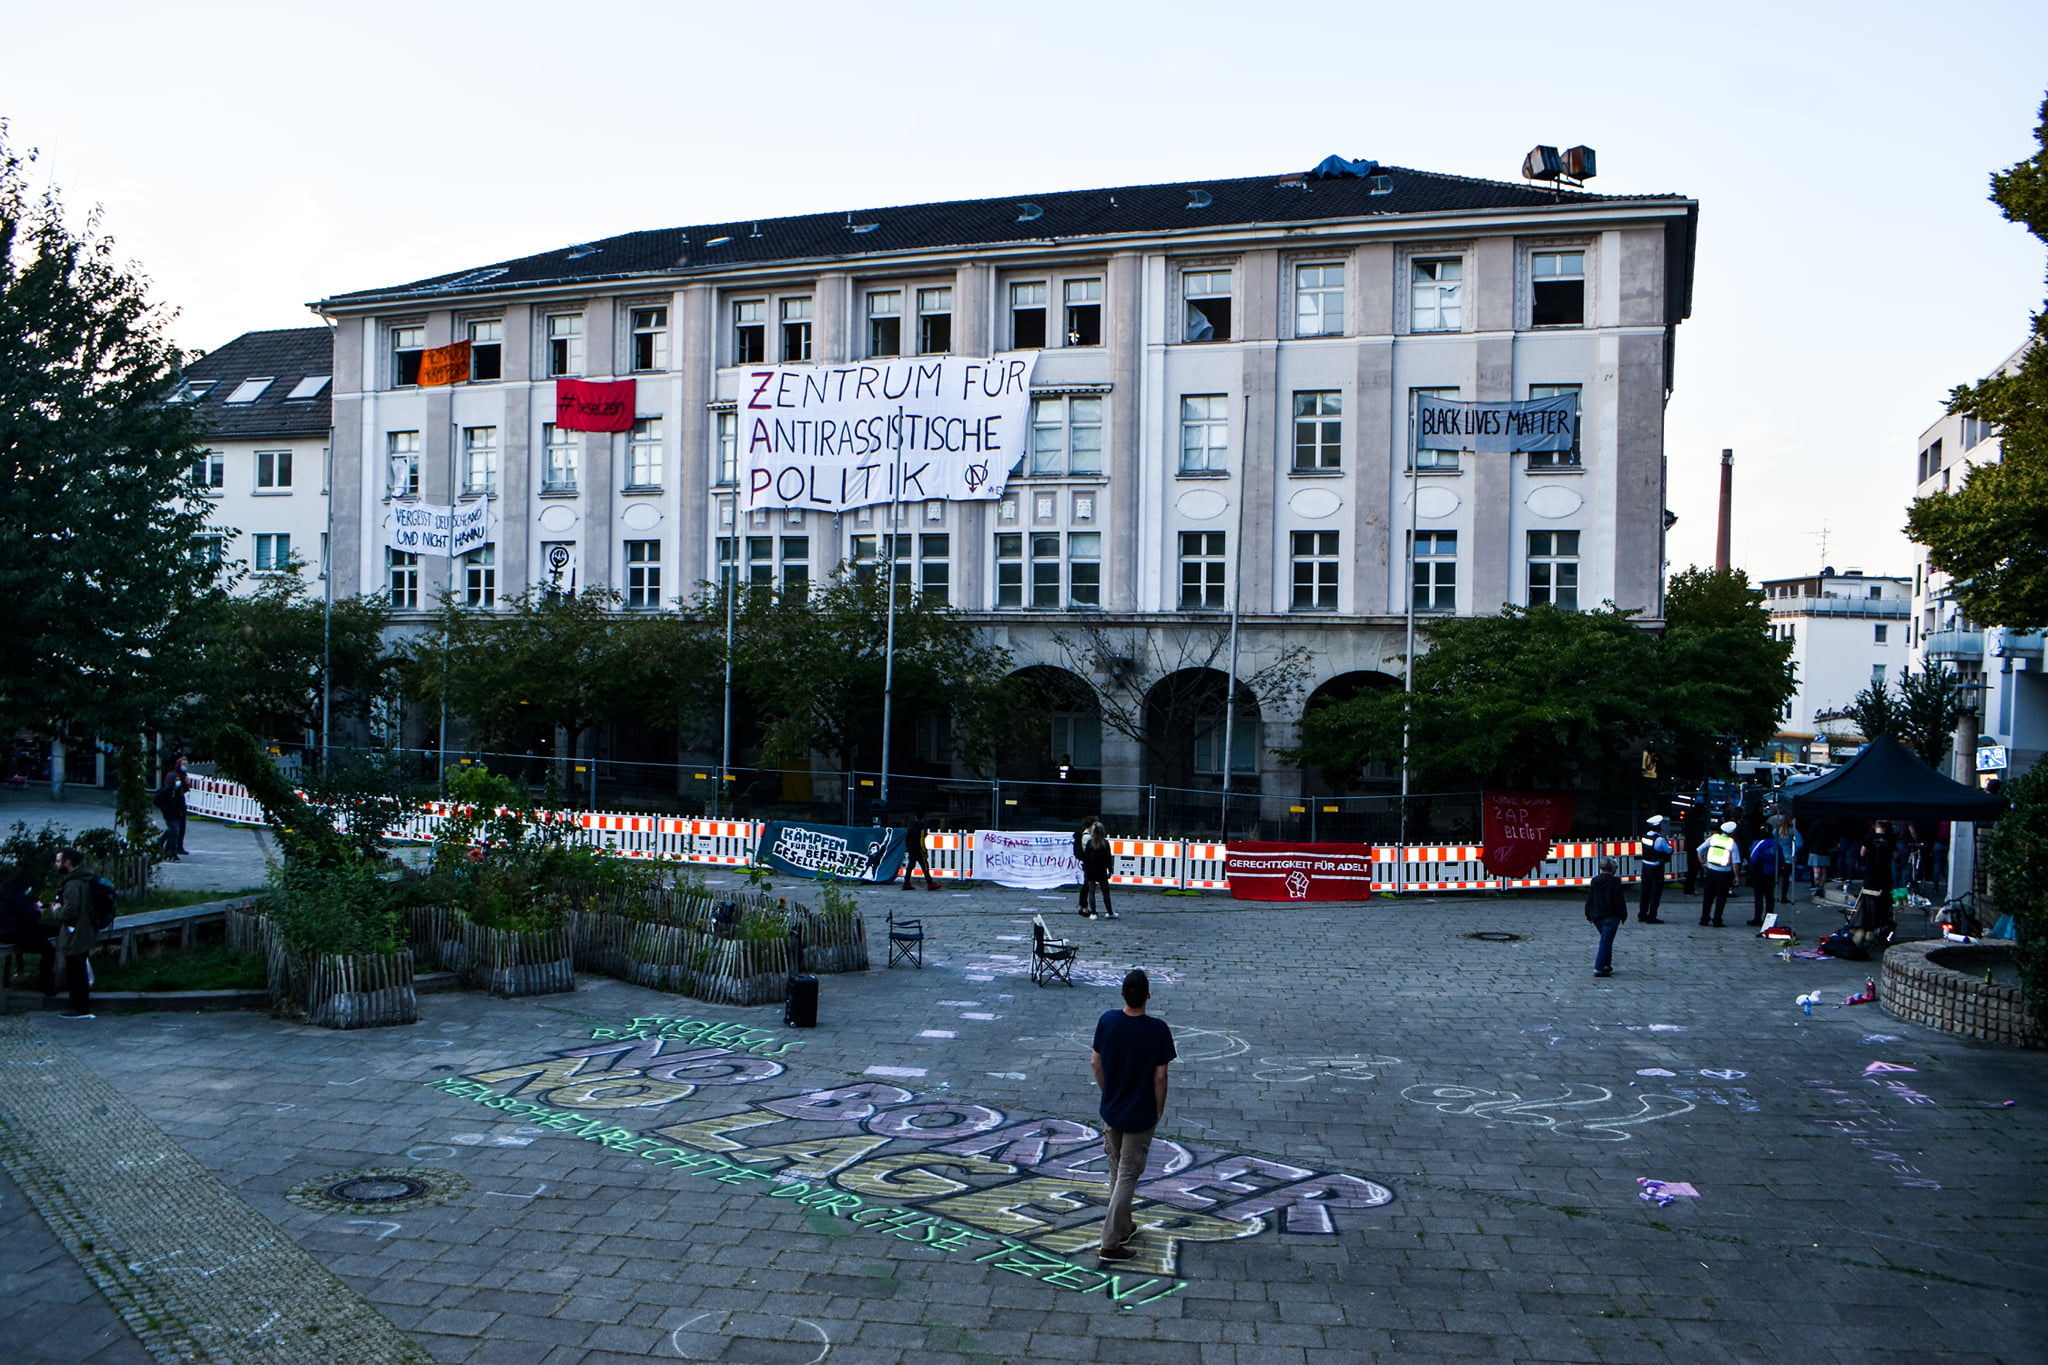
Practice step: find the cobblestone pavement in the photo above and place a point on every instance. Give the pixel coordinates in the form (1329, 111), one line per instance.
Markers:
(671, 1202)
(219, 857)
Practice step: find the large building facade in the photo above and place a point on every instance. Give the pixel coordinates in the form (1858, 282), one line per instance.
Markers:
(1848, 632)
(1223, 397)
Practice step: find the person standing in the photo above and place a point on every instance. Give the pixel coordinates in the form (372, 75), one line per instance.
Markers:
(170, 801)
(1656, 856)
(1606, 908)
(914, 852)
(1717, 854)
(1790, 846)
(1129, 1060)
(21, 924)
(1820, 849)
(78, 930)
(1098, 861)
(1763, 876)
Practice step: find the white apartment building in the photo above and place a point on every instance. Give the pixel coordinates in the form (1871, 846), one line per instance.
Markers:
(1226, 376)
(1848, 631)
(265, 397)
(2007, 663)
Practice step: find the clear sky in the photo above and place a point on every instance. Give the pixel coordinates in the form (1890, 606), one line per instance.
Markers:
(253, 157)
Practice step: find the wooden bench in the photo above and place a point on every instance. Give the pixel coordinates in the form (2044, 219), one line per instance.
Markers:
(184, 918)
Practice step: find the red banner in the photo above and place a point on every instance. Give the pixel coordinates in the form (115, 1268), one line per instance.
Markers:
(583, 406)
(1299, 872)
(444, 365)
(1519, 828)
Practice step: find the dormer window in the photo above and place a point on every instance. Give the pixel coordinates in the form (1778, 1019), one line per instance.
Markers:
(249, 390)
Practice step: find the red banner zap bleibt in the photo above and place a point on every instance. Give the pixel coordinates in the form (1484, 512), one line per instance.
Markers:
(1518, 828)
(584, 406)
(1299, 872)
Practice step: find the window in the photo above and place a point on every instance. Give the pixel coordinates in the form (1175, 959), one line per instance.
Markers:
(1045, 572)
(309, 387)
(1202, 570)
(1558, 459)
(728, 447)
(749, 332)
(796, 566)
(1554, 568)
(935, 568)
(885, 322)
(1084, 312)
(248, 391)
(796, 329)
(403, 460)
(406, 345)
(1027, 316)
(1319, 300)
(1207, 295)
(1084, 569)
(558, 567)
(1437, 297)
(727, 548)
(1077, 738)
(643, 454)
(1244, 744)
(865, 558)
(479, 460)
(761, 564)
(558, 446)
(1009, 569)
(1877, 675)
(273, 469)
(565, 344)
(1975, 433)
(1436, 571)
(934, 736)
(208, 549)
(1428, 459)
(1883, 632)
(404, 572)
(1205, 434)
(650, 339)
(934, 321)
(273, 553)
(480, 576)
(486, 350)
(1315, 570)
(1066, 436)
(1557, 285)
(643, 571)
(209, 470)
(1877, 590)
(1318, 430)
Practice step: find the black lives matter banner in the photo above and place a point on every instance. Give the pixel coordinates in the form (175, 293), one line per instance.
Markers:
(1497, 428)
(834, 436)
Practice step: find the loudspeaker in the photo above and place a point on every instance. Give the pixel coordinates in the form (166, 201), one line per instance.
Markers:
(801, 1009)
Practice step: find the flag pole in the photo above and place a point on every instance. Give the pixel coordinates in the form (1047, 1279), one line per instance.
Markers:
(448, 607)
(889, 647)
(728, 575)
(1236, 594)
(1408, 659)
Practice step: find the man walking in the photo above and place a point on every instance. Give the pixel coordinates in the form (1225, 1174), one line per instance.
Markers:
(914, 853)
(1606, 908)
(78, 930)
(1656, 855)
(170, 800)
(1717, 873)
(1131, 1053)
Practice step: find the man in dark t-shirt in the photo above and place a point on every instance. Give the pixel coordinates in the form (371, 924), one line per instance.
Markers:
(1131, 1052)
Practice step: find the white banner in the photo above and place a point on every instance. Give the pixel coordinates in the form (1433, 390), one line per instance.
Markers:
(1032, 859)
(1550, 424)
(424, 528)
(833, 436)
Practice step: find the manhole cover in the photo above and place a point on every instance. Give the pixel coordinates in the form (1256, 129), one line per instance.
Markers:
(382, 1189)
(1495, 936)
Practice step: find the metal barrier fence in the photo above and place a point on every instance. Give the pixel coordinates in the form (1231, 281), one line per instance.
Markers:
(1173, 863)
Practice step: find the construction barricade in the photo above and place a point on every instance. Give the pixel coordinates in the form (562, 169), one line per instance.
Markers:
(725, 843)
(1203, 868)
(1145, 862)
(1444, 867)
(1563, 865)
(951, 855)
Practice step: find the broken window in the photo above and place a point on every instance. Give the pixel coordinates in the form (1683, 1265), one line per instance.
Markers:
(1437, 296)
(650, 338)
(1207, 293)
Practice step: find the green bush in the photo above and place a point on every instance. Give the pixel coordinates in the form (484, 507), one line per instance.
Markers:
(834, 901)
(2018, 850)
(35, 852)
(338, 908)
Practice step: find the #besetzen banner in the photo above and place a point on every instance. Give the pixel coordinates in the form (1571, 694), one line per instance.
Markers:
(1298, 872)
(584, 405)
(1027, 859)
(832, 437)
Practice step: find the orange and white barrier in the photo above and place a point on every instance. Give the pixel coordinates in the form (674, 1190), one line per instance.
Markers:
(1145, 862)
(1202, 868)
(1443, 867)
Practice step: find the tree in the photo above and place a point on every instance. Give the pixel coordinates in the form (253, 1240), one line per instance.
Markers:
(813, 663)
(264, 656)
(1922, 714)
(1876, 712)
(1991, 534)
(1727, 680)
(2018, 850)
(102, 595)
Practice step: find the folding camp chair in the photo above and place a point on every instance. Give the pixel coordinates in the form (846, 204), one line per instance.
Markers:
(906, 941)
(1052, 959)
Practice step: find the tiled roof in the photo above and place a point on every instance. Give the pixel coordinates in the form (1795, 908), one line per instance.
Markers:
(1061, 216)
(285, 358)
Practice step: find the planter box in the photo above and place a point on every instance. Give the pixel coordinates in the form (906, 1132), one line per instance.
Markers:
(437, 941)
(507, 963)
(362, 990)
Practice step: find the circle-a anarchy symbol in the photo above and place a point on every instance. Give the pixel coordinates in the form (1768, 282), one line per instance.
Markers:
(558, 557)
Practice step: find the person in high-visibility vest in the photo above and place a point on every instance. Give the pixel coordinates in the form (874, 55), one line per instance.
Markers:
(1717, 866)
(1656, 854)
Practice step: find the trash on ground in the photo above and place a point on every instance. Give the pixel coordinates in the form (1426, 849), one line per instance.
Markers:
(1876, 1067)
(1662, 1192)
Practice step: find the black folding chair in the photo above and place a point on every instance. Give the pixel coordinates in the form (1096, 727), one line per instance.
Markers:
(1052, 959)
(906, 941)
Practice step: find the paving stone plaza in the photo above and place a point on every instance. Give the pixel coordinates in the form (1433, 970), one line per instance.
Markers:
(1388, 1140)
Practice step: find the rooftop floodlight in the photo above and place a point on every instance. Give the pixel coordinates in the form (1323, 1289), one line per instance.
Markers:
(1542, 163)
(1579, 163)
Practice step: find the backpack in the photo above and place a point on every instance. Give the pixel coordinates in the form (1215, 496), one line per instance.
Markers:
(103, 906)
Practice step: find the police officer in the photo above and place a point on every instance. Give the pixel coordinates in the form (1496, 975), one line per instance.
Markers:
(1656, 857)
(1717, 872)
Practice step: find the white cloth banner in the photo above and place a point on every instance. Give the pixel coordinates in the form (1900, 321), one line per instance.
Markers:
(1026, 858)
(833, 436)
(424, 528)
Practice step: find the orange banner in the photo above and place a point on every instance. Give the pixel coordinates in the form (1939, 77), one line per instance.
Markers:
(444, 365)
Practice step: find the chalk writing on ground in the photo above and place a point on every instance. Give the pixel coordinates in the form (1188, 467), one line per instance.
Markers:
(1587, 1111)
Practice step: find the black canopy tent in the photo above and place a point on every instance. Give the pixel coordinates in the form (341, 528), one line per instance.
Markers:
(1887, 781)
